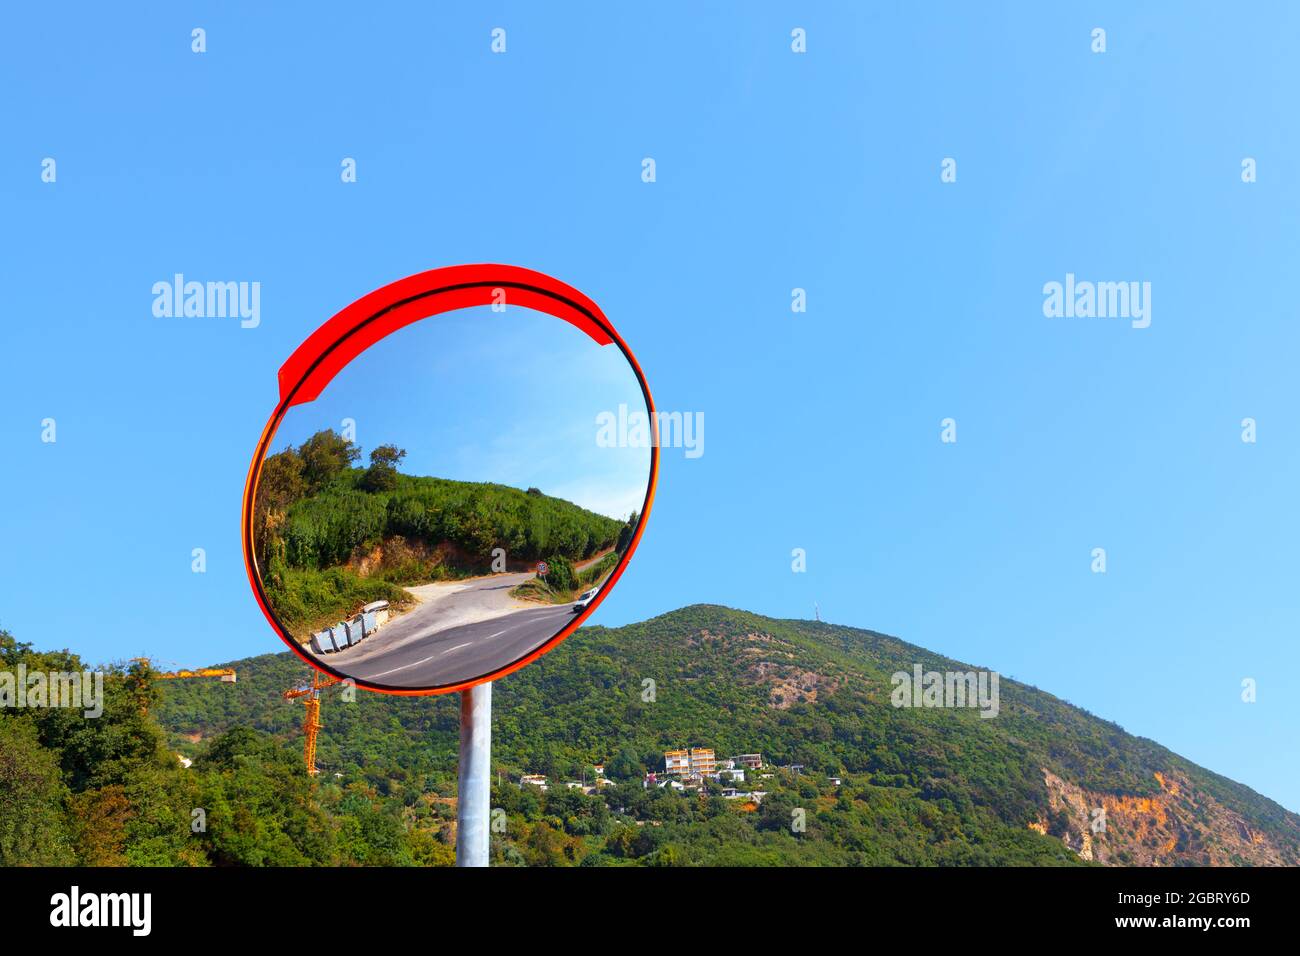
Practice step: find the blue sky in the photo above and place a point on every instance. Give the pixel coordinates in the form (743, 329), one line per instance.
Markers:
(775, 170)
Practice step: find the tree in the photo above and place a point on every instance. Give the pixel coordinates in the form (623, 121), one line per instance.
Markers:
(100, 818)
(280, 484)
(324, 455)
(33, 831)
(260, 807)
(625, 534)
(382, 473)
(547, 846)
(626, 765)
(559, 573)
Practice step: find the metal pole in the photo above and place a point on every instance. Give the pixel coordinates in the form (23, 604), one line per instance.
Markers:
(474, 795)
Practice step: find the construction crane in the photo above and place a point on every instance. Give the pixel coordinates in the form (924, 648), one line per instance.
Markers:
(226, 674)
(311, 724)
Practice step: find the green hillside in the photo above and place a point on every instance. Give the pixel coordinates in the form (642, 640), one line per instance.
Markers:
(877, 785)
(332, 537)
(918, 786)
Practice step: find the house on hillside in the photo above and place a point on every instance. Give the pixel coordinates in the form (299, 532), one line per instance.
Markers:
(684, 763)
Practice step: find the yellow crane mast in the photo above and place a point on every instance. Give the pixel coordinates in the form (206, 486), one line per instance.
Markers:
(311, 724)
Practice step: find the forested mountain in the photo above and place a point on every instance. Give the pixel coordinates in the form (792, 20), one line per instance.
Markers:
(1042, 783)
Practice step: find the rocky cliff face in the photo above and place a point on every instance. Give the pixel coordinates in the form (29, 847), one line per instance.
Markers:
(1179, 825)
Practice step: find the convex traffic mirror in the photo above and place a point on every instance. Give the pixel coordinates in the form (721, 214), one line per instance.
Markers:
(438, 498)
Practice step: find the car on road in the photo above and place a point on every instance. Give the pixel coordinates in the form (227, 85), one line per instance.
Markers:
(584, 599)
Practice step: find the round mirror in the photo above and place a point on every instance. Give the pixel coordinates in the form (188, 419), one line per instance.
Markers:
(459, 468)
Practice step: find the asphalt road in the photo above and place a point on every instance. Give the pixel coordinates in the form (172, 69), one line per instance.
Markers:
(460, 630)
(465, 651)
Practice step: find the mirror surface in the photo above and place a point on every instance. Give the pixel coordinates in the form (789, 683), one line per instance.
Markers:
(455, 498)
